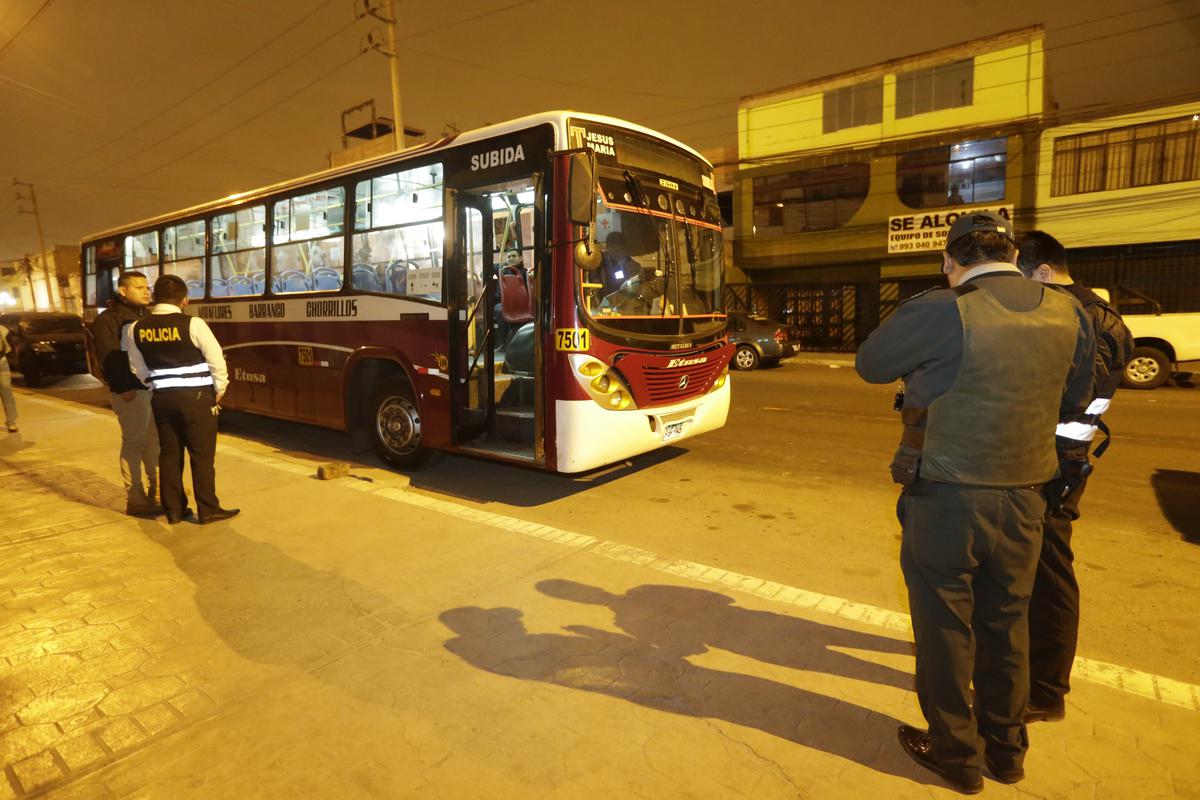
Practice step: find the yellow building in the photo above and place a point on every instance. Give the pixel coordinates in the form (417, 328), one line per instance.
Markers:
(856, 176)
(1122, 193)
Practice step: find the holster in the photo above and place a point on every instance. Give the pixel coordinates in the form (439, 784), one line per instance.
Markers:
(906, 464)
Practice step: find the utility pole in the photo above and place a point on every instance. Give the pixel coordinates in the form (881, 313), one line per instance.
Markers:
(387, 15)
(37, 217)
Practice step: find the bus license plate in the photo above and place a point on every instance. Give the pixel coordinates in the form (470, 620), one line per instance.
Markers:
(672, 430)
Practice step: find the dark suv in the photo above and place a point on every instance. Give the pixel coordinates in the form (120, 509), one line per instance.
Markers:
(760, 340)
(45, 343)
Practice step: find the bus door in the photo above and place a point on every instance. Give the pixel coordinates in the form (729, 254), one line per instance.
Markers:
(472, 361)
(497, 329)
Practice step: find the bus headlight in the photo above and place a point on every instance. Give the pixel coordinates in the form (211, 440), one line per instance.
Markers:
(602, 383)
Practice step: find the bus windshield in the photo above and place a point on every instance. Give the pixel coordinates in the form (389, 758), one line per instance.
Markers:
(661, 269)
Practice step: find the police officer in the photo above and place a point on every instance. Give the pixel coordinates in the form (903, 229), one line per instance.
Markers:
(129, 397)
(180, 359)
(985, 364)
(1054, 607)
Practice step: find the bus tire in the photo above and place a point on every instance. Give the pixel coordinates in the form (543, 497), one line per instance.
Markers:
(1149, 368)
(395, 425)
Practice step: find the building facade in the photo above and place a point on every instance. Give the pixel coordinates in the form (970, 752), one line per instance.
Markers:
(42, 282)
(847, 185)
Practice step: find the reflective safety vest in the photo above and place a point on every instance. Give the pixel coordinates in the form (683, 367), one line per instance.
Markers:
(174, 362)
(1114, 348)
(995, 425)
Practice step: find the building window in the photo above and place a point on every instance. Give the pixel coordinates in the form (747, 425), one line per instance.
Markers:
(813, 200)
(952, 175)
(850, 106)
(1136, 155)
(935, 88)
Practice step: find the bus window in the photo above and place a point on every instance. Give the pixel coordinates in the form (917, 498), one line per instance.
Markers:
(399, 230)
(307, 245)
(239, 249)
(141, 254)
(183, 255)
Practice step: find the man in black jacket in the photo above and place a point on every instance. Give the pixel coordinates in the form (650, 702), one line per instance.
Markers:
(130, 397)
(1054, 606)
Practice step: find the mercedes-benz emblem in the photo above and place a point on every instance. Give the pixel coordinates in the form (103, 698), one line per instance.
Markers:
(683, 383)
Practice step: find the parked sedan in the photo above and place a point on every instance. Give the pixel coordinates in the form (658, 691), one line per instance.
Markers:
(760, 341)
(45, 343)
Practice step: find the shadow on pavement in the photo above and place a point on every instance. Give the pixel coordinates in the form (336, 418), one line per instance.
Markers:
(628, 668)
(474, 479)
(267, 606)
(525, 487)
(1178, 494)
(68, 482)
(688, 621)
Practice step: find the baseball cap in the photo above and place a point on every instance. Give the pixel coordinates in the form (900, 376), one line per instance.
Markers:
(978, 221)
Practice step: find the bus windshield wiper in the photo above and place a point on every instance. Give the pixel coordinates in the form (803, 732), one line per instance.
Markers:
(664, 249)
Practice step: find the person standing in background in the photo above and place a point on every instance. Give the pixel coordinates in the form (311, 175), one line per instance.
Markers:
(6, 392)
(129, 396)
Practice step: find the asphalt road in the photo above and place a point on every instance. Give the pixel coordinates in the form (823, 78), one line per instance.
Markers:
(796, 489)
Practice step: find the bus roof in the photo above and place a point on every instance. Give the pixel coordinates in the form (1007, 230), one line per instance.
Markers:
(558, 119)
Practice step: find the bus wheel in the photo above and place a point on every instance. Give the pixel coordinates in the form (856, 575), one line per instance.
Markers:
(396, 425)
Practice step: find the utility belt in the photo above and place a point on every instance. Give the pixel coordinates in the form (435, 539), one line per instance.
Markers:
(906, 464)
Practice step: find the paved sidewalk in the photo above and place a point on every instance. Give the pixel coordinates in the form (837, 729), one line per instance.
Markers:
(356, 638)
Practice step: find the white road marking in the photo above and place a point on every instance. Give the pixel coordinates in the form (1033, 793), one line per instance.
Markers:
(1131, 681)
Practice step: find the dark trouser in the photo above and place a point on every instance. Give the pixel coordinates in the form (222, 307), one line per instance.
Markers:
(185, 420)
(1054, 608)
(969, 555)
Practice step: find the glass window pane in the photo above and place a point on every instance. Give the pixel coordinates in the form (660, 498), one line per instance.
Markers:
(192, 272)
(402, 261)
(308, 266)
(236, 274)
(309, 216)
(905, 86)
(141, 250)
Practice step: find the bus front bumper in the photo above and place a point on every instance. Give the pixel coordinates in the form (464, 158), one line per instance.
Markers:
(590, 436)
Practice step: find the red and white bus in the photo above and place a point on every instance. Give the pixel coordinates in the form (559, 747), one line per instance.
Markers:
(546, 291)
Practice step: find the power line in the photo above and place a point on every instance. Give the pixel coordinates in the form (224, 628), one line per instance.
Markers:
(494, 69)
(136, 127)
(23, 28)
(229, 130)
(982, 87)
(186, 125)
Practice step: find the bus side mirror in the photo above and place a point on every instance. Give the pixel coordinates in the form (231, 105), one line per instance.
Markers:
(582, 180)
(581, 188)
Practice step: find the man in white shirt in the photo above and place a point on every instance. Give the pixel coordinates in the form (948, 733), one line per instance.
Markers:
(177, 355)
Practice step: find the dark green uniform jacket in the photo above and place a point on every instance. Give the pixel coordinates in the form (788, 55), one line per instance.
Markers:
(1028, 347)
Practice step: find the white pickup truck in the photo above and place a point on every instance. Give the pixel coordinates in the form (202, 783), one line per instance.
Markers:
(1163, 345)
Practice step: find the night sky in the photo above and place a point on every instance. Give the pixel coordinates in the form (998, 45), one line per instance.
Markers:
(123, 109)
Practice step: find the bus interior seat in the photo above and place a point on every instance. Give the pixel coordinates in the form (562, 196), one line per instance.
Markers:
(220, 287)
(258, 283)
(365, 278)
(195, 288)
(241, 285)
(397, 277)
(516, 304)
(327, 279)
(518, 352)
(292, 280)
